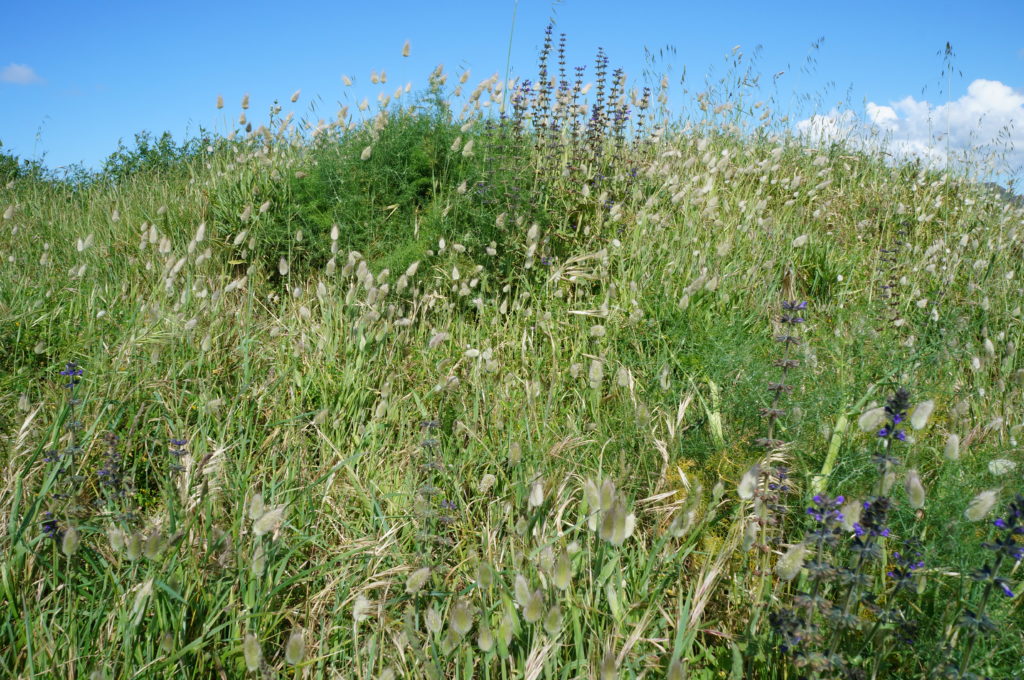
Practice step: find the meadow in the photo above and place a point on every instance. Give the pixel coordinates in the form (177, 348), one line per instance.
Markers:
(510, 379)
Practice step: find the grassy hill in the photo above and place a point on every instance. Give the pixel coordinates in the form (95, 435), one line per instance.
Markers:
(436, 394)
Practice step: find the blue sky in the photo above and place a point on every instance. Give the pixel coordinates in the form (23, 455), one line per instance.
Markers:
(75, 77)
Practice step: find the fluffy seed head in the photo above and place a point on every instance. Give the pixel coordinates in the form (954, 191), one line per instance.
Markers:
(521, 589)
(952, 450)
(269, 522)
(295, 96)
(295, 650)
(256, 507)
(437, 339)
(1001, 466)
(533, 610)
(537, 494)
(791, 562)
(609, 669)
(259, 560)
(361, 609)
(461, 617)
(748, 483)
(417, 580)
(561, 575)
(133, 547)
(980, 505)
(923, 411)
(553, 620)
(220, 102)
(915, 489)
(405, 49)
(367, 152)
(252, 652)
(871, 419)
(433, 620)
(71, 541)
(484, 638)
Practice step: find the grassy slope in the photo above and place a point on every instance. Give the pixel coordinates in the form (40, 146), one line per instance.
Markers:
(449, 417)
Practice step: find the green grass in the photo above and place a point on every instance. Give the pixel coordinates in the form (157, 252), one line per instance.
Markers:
(449, 414)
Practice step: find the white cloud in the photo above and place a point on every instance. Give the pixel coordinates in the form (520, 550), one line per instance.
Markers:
(19, 74)
(988, 119)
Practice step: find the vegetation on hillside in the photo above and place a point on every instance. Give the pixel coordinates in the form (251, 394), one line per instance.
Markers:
(572, 390)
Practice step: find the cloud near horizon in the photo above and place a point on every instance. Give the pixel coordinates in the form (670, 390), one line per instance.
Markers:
(987, 120)
(19, 74)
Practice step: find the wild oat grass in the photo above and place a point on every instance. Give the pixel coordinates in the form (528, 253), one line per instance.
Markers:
(428, 391)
